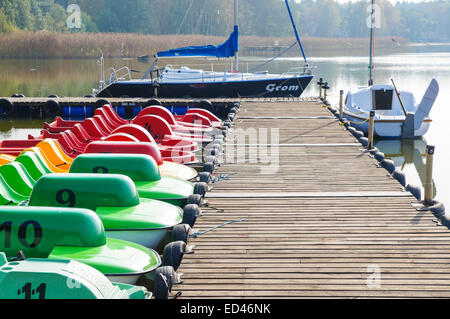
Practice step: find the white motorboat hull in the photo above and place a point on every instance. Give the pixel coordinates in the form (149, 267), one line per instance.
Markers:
(396, 115)
(385, 127)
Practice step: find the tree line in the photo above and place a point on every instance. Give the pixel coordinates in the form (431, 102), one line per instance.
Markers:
(422, 21)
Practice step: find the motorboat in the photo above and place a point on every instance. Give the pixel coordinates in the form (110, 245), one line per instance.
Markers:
(396, 114)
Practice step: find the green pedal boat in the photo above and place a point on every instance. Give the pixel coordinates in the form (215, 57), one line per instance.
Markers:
(144, 171)
(17, 179)
(37, 278)
(73, 234)
(115, 200)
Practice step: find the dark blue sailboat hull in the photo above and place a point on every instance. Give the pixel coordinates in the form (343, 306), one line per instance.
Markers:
(290, 87)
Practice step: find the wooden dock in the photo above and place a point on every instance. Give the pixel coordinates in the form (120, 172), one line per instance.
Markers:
(327, 224)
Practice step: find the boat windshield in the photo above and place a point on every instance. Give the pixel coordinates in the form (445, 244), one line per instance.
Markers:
(382, 99)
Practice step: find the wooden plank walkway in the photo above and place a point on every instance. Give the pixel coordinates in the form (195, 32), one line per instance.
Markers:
(313, 247)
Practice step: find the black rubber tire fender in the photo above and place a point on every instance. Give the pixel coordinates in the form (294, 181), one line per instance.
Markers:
(52, 108)
(165, 277)
(7, 107)
(194, 199)
(173, 254)
(100, 103)
(180, 232)
(190, 213)
(152, 102)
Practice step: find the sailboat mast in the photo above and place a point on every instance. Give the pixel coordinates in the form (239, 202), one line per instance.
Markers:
(236, 53)
(372, 44)
(295, 30)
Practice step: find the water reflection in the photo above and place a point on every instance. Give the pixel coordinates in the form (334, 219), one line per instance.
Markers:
(19, 129)
(408, 156)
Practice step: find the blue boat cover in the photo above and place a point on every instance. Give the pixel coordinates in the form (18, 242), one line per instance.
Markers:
(224, 50)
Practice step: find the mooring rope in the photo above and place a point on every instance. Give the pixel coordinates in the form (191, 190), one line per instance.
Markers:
(222, 177)
(196, 234)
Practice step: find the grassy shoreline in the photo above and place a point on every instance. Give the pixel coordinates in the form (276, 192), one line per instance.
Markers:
(44, 44)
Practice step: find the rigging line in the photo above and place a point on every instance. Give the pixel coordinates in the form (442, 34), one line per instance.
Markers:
(300, 84)
(182, 22)
(197, 25)
(372, 43)
(272, 59)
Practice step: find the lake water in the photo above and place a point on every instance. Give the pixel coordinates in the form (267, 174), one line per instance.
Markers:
(411, 67)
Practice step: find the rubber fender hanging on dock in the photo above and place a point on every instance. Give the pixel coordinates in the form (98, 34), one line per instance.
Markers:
(52, 108)
(438, 209)
(152, 102)
(225, 131)
(379, 156)
(100, 103)
(205, 177)
(364, 141)
(388, 165)
(76, 112)
(400, 177)
(194, 199)
(6, 107)
(200, 188)
(373, 151)
(191, 212)
(234, 110)
(445, 220)
(415, 191)
(165, 278)
(352, 130)
(207, 105)
(209, 167)
(173, 254)
(358, 134)
(180, 232)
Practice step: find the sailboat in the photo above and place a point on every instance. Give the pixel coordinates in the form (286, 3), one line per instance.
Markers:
(185, 82)
(396, 113)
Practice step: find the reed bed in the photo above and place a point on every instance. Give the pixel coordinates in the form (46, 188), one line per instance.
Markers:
(45, 44)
